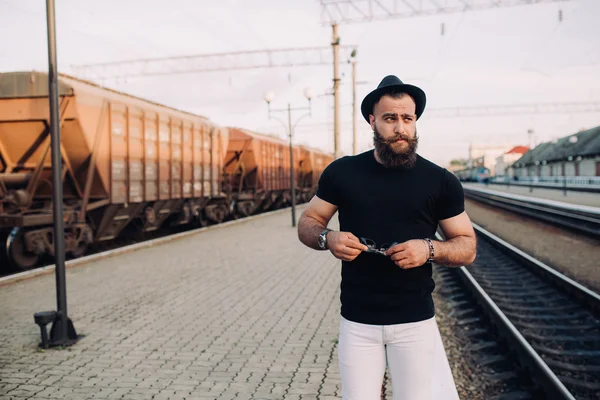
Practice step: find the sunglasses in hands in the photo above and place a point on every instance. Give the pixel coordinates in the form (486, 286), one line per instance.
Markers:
(372, 246)
(410, 254)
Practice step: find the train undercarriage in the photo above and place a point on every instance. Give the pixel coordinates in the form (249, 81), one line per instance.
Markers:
(27, 238)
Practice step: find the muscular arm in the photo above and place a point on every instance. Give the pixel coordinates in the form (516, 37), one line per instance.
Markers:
(314, 220)
(460, 246)
(343, 245)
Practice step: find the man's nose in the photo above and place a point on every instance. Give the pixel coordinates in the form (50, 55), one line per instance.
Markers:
(399, 127)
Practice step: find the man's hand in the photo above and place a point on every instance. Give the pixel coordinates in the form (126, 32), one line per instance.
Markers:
(344, 245)
(410, 254)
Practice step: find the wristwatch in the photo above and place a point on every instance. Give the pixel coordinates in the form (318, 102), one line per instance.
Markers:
(322, 239)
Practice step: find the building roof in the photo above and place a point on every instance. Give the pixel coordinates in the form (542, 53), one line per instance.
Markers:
(584, 144)
(518, 150)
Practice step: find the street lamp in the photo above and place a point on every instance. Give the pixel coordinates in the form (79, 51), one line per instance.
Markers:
(269, 97)
(63, 332)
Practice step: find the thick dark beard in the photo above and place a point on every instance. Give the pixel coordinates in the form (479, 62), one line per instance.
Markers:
(390, 158)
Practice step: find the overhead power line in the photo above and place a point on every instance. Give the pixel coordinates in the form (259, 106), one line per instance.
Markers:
(335, 12)
(241, 60)
(356, 11)
(516, 109)
(496, 110)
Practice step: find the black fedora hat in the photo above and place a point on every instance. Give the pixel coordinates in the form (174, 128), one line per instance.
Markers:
(393, 83)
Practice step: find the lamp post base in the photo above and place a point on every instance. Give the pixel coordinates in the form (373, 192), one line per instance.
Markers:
(44, 318)
(56, 340)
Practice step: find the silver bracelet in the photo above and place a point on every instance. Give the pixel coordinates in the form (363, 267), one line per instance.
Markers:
(431, 249)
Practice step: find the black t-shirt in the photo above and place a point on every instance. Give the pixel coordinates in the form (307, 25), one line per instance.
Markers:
(388, 205)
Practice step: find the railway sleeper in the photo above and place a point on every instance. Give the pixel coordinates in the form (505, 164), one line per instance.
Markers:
(553, 337)
(477, 332)
(491, 360)
(528, 301)
(463, 313)
(544, 316)
(560, 327)
(590, 368)
(484, 345)
(516, 395)
(468, 321)
(579, 384)
(523, 292)
(504, 376)
(514, 285)
(533, 310)
(589, 354)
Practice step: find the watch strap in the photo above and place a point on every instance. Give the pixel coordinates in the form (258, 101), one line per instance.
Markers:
(323, 235)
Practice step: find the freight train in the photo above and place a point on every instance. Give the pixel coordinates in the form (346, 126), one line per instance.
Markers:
(129, 163)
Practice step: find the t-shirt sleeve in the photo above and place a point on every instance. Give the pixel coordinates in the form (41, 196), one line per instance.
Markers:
(451, 201)
(326, 189)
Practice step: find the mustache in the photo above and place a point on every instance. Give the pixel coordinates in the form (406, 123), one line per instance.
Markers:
(398, 136)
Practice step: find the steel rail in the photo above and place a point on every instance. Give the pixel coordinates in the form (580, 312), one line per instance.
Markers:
(581, 219)
(547, 380)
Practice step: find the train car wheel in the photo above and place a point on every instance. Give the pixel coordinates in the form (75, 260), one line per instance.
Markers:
(4, 265)
(220, 213)
(19, 257)
(200, 220)
(80, 249)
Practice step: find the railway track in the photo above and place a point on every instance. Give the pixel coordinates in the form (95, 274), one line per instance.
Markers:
(582, 219)
(548, 321)
(487, 368)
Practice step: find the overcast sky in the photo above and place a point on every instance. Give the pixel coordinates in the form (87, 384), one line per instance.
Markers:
(505, 56)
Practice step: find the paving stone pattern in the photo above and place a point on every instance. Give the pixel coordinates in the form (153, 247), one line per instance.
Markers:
(244, 312)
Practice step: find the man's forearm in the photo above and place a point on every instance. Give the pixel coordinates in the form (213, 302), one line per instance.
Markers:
(309, 230)
(455, 252)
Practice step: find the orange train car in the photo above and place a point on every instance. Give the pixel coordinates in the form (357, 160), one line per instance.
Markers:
(124, 159)
(129, 165)
(257, 172)
(311, 164)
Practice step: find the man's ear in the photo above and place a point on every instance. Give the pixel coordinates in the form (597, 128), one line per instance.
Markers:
(372, 121)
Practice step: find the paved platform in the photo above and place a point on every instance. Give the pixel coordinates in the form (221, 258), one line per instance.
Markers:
(240, 312)
(580, 198)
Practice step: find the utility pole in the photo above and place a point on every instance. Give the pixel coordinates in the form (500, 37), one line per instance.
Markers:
(531, 146)
(530, 134)
(354, 144)
(336, 92)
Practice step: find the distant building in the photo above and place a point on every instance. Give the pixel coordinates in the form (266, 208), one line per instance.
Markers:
(485, 155)
(505, 161)
(573, 155)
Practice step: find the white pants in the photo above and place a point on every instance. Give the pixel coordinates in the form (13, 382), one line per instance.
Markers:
(415, 356)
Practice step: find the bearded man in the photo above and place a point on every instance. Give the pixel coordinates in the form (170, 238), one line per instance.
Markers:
(390, 202)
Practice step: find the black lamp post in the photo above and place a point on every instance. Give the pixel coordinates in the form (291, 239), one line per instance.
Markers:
(63, 332)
